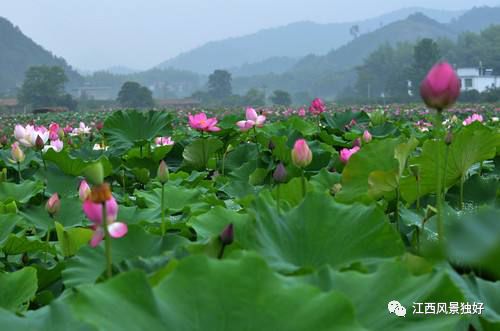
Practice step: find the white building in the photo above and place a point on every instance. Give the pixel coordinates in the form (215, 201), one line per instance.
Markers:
(478, 79)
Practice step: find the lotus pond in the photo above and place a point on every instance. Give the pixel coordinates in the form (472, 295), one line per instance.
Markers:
(273, 220)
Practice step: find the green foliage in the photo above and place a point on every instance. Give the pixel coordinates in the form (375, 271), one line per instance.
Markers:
(219, 84)
(281, 98)
(133, 95)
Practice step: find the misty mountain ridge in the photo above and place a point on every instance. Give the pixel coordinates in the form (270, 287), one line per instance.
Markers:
(294, 40)
(18, 52)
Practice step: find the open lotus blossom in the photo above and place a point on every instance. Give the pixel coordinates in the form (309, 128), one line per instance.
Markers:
(473, 118)
(27, 136)
(317, 106)
(345, 154)
(252, 119)
(56, 145)
(441, 87)
(200, 122)
(100, 147)
(93, 211)
(164, 141)
(81, 130)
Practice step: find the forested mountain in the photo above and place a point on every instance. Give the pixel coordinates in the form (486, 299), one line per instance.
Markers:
(292, 41)
(18, 52)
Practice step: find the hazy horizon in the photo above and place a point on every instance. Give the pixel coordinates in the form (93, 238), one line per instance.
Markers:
(99, 34)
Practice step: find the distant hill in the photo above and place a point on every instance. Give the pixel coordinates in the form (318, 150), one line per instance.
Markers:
(476, 19)
(275, 65)
(293, 41)
(18, 53)
(416, 26)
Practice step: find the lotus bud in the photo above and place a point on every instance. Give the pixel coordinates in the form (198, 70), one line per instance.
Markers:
(60, 133)
(163, 172)
(227, 235)
(449, 138)
(17, 153)
(367, 137)
(336, 188)
(53, 205)
(84, 190)
(280, 173)
(39, 144)
(301, 154)
(441, 87)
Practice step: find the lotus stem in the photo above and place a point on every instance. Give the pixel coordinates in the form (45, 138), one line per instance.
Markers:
(439, 207)
(19, 172)
(163, 224)
(107, 242)
(304, 184)
(278, 198)
(461, 201)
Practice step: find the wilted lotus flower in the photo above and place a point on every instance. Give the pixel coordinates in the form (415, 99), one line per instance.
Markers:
(53, 205)
(473, 118)
(317, 106)
(345, 154)
(301, 154)
(17, 153)
(441, 87)
(200, 122)
(93, 211)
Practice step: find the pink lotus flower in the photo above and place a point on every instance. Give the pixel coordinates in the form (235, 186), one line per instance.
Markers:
(53, 205)
(301, 154)
(367, 137)
(84, 190)
(164, 141)
(68, 129)
(473, 118)
(27, 136)
(252, 119)
(54, 131)
(345, 154)
(441, 88)
(302, 112)
(317, 106)
(56, 145)
(93, 211)
(200, 122)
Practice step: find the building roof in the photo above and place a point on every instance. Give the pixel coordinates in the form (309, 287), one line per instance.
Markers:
(8, 102)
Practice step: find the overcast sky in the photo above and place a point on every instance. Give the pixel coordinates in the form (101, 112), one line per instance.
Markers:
(95, 34)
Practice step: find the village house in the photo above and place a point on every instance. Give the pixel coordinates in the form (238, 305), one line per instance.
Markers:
(478, 79)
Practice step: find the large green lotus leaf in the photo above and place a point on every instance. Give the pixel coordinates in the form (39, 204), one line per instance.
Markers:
(89, 263)
(17, 288)
(212, 223)
(324, 181)
(56, 317)
(472, 144)
(70, 214)
(305, 128)
(476, 289)
(177, 199)
(7, 224)
(340, 119)
(73, 166)
(375, 156)
(58, 182)
(474, 240)
(371, 293)
(211, 295)
(20, 244)
(321, 231)
(125, 129)
(199, 152)
(21, 193)
(477, 191)
(71, 240)
(239, 156)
